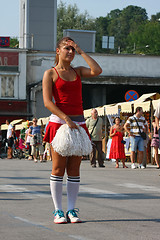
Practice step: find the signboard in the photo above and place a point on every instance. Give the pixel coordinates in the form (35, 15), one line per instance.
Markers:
(4, 41)
(108, 42)
(131, 95)
(8, 58)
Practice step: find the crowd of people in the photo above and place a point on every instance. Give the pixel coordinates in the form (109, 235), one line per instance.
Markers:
(29, 141)
(67, 128)
(136, 128)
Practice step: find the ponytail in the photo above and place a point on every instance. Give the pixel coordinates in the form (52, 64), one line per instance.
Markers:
(56, 60)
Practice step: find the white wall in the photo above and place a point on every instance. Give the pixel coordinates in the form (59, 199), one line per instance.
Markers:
(112, 65)
(22, 75)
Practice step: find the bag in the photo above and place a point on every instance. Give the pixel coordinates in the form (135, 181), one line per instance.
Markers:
(33, 141)
(143, 135)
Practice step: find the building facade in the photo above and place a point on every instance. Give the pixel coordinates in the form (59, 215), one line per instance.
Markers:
(13, 104)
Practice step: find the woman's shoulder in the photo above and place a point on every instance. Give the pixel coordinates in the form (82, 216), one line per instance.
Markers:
(51, 74)
(78, 70)
(113, 127)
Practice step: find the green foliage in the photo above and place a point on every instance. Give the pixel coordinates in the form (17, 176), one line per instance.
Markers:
(68, 17)
(119, 24)
(145, 39)
(14, 43)
(132, 30)
(124, 23)
(101, 27)
(156, 17)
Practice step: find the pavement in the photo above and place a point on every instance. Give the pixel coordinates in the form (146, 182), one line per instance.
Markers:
(113, 203)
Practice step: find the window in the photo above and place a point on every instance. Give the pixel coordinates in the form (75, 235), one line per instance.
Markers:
(7, 86)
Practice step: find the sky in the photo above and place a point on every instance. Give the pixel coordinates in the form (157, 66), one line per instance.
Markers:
(9, 11)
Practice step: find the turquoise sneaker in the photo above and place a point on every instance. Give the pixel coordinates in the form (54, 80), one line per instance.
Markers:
(72, 217)
(59, 217)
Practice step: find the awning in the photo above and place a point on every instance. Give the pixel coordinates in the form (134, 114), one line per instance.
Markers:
(43, 121)
(110, 109)
(145, 97)
(14, 122)
(126, 107)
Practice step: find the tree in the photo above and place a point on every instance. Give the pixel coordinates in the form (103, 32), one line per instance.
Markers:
(14, 43)
(156, 17)
(101, 27)
(122, 23)
(146, 39)
(68, 17)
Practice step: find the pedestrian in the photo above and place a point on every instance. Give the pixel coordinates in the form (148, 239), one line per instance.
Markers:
(10, 140)
(94, 125)
(15, 139)
(155, 143)
(157, 119)
(136, 126)
(35, 132)
(28, 139)
(117, 146)
(63, 82)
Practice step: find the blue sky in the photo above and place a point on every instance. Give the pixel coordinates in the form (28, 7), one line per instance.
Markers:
(9, 11)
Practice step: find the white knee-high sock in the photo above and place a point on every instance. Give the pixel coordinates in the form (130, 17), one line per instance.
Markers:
(56, 190)
(72, 191)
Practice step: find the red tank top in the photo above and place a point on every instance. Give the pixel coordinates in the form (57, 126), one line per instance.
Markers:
(68, 95)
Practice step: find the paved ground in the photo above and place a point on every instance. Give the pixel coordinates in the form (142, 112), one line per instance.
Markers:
(115, 204)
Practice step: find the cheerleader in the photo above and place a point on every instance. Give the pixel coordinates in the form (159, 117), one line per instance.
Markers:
(67, 131)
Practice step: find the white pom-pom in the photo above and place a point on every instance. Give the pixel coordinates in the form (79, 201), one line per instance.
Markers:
(71, 142)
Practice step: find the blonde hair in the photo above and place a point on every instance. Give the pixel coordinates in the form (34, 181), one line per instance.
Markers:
(59, 43)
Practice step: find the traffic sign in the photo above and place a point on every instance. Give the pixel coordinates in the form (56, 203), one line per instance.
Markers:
(131, 95)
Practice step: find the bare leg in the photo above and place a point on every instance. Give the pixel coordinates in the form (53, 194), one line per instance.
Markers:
(140, 157)
(132, 157)
(58, 163)
(123, 162)
(156, 156)
(117, 164)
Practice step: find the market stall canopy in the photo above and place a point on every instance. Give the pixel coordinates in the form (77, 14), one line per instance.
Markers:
(155, 103)
(148, 96)
(147, 105)
(22, 125)
(14, 122)
(43, 121)
(110, 109)
(143, 101)
(126, 107)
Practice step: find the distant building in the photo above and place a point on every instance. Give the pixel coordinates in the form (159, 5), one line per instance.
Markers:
(84, 38)
(38, 24)
(13, 103)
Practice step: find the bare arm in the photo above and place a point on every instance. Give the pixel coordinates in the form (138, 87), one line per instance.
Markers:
(111, 134)
(157, 122)
(47, 84)
(126, 127)
(29, 133)
(26, 137)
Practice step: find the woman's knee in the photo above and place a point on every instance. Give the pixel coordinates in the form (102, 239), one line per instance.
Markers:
(58, 171)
